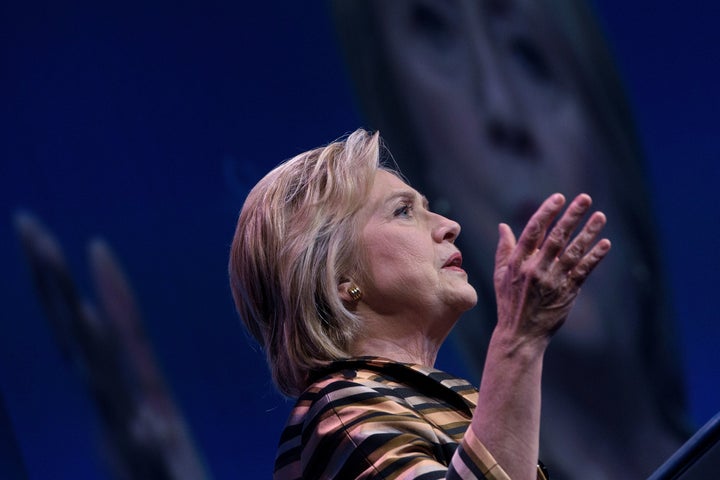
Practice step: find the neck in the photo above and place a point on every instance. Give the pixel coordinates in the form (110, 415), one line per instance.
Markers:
(403, 336)
(422, 351)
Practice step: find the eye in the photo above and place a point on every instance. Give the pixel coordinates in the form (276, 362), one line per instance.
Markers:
(405, 210)
(427, 18)
(432, 23)
(529, 56)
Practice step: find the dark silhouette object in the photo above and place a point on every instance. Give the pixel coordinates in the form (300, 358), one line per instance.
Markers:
(697, 459)
(145, 435)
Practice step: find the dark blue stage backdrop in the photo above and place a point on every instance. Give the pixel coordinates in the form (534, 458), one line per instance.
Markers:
(144, 123)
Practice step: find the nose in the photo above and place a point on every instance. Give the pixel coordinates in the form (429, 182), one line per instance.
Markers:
(509, 136)
(445, 229)
(505, 123)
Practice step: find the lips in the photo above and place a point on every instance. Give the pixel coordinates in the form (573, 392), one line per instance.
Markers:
(455, 260)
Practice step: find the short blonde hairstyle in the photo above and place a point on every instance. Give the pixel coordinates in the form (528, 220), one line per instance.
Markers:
(295, 241)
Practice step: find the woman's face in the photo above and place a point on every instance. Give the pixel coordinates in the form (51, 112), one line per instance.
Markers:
(493, 103)
(414, 270)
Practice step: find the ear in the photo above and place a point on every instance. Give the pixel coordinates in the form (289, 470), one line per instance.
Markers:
(343, 287)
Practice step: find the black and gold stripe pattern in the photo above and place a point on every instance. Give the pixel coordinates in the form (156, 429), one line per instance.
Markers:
(372, 418)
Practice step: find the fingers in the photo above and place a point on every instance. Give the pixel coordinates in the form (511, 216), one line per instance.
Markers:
(53, 282)
(559, 236)
(118, 301)
(506, 244)
(586, 265)
(582, 243)
(578, 259)
(552, 249)
(534, 232)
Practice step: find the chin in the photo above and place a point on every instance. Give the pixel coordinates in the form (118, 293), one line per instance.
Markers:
(466, 299)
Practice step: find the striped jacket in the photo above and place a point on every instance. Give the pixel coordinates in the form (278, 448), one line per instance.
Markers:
(374, 418)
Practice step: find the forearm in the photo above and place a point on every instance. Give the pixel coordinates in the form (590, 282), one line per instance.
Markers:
(507, 418)
(537, 279)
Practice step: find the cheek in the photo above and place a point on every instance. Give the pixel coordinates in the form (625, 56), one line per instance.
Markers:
(564, 134)
(439, 91)
(434, 55)
(397, 261)
(397, 278)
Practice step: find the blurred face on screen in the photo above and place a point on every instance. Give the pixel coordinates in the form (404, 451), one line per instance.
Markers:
(494, 104)
(491, 106)
(494, 101)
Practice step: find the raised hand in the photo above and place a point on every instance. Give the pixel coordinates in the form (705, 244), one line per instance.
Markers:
(538, 277)
(145, 432)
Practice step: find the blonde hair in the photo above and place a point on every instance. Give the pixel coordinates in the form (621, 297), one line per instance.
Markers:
(294, 243)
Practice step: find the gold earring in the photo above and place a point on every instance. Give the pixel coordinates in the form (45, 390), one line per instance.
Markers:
(355, 293)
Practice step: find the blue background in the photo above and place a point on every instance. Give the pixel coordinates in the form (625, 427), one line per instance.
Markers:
(145, 123)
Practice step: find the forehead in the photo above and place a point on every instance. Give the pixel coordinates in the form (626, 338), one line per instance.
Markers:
(385, 181)
(387, 187)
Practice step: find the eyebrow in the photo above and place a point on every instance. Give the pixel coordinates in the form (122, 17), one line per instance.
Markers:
(410, 194)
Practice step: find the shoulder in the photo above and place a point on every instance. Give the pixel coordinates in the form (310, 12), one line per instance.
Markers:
(338, 421)
(353, 398)
(370, 416)
(356, 386)
(351, 393)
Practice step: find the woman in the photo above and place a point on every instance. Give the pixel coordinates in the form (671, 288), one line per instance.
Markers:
(351, 284)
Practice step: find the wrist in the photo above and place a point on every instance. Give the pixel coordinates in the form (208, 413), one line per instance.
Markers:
(521, 348)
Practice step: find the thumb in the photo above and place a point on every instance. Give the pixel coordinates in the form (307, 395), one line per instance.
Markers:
(506, 245)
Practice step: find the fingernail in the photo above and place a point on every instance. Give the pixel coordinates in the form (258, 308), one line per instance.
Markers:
(585, 200)
(557, 199)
